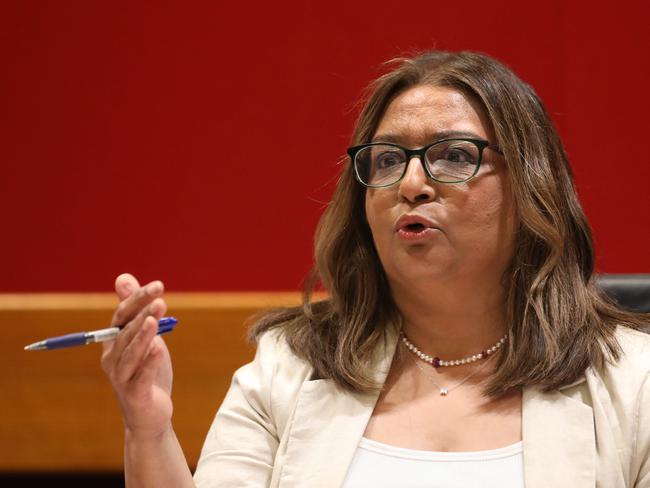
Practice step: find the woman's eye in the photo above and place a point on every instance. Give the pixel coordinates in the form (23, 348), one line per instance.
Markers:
(459, 156)
(387, 159)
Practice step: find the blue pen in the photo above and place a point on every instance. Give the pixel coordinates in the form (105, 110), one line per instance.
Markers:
(166, 324)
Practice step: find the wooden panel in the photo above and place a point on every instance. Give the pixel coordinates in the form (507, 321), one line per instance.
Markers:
(58, 410)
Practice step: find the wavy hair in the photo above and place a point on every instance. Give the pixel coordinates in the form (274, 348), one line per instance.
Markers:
(560, 321)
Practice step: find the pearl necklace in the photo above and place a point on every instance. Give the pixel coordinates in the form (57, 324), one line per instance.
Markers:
(436, 362)
(445, 390)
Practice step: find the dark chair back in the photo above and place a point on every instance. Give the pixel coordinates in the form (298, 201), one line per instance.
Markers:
(630, 291)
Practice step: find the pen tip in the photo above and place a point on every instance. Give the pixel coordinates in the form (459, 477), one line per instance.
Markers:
(36, 346)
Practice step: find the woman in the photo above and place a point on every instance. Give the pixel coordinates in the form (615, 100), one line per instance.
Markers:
(464, 342)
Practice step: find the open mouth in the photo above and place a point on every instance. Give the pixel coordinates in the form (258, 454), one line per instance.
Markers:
(414, 227)
(416, 231)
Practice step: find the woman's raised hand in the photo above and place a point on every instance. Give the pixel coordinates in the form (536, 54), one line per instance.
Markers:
(137, 363)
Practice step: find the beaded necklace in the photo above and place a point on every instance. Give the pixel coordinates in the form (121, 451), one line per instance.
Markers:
(436, 362)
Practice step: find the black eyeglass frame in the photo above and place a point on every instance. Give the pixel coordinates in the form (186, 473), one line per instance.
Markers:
(481, 144)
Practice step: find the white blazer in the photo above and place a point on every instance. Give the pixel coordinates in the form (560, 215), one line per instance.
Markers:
(277, 427)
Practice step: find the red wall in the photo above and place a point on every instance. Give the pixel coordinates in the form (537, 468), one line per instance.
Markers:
(197, 141)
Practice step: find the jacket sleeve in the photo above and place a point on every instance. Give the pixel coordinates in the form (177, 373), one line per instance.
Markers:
(642, 441)
(241, 444)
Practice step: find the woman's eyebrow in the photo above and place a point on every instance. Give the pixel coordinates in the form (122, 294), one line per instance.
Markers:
(435, 136)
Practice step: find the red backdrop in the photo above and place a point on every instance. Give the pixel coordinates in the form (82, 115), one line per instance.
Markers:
(197, 142)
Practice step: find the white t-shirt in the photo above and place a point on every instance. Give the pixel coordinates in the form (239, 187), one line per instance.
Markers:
(380, 465)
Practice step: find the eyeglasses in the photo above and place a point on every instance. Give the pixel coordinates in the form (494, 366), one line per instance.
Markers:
(381, 164)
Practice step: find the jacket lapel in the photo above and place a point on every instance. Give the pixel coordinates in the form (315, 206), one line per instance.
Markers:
(327, 425)
(559, 440)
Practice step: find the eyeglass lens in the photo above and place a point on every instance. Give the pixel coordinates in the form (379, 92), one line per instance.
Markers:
(451, 161)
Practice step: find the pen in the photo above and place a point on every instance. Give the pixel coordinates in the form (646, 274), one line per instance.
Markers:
(166, 324)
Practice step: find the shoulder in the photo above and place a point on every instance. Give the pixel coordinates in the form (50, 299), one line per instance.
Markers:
(629, 382)
(277, 372)
(275, 357)
(634, 361)
(622, 384)
(265, 389)
(634, 340)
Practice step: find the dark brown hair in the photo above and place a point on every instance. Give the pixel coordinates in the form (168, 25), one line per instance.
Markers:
(560, 322)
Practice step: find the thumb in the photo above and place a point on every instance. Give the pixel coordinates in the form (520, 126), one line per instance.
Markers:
(125, 284)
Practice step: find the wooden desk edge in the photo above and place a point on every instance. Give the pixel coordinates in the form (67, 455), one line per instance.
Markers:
(179, 300)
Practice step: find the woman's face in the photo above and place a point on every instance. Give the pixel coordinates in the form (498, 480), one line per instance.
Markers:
(469, 227)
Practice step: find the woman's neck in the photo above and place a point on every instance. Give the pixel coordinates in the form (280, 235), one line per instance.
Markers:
(452, 322)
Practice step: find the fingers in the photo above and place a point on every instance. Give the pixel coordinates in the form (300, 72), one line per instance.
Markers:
(126, 354)
(125, 284)
(149, 368)
(132, 339)
(137, 351)
(131, 305)
(137, 304)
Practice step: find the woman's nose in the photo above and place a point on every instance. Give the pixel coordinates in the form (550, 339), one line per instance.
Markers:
(416, 184)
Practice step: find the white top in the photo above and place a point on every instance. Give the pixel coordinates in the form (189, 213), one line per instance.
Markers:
(380, 465)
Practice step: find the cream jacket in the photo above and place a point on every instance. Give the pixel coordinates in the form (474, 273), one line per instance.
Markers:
(278, 428)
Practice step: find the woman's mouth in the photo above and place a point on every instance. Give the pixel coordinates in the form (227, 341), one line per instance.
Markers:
(415, 227)
(416, 232)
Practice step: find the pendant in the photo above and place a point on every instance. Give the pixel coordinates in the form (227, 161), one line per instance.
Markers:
(444, 391)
